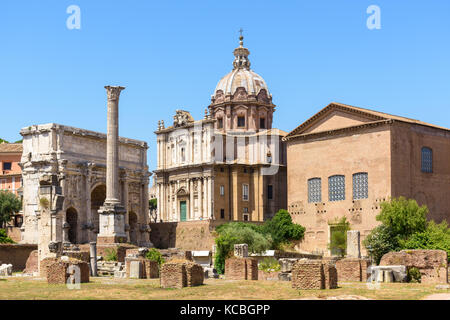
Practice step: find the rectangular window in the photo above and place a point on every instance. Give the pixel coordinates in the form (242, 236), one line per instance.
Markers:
(246, 215)
(427, 160)
(6, 165)
(360, 186)
(245, 192)
(220, 123)
(241, 122)
(314, 190)
(222, 213)
(262, 123)
(269, 192)
(336, 188)
(222, 190)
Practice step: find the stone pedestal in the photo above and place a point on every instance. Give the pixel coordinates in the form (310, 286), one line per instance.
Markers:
(353, 244)
(241, 250)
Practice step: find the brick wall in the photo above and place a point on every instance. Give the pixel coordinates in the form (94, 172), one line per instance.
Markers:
(308, 274)
(241, 269)
(181, 274)
(432, 264)
(16, 254)
(57, 272)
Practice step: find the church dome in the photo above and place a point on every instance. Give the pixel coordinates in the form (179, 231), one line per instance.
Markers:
(241, 76)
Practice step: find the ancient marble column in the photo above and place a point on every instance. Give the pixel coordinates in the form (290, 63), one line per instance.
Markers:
(112, 213)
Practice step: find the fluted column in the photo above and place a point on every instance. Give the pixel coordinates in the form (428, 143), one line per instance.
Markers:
(191, 199)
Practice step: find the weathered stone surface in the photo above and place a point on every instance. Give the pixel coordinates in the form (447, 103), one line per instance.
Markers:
(352, 269)
(43, 265)
(120, 274)
(432, 264)
(181, 274)
(287, 264)
(241, 250)
(330, 274)
(32, 264)
(399, 273)
(58, 272)
(353, 244)
(16, 254)
(241, 269)
(210, 272)
(285, 276)
(268, 276)
(6, 270)
(136, 269)
(308, 274)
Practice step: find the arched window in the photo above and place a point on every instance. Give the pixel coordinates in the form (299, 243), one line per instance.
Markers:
(427, 160)
(360, 186)
(336, 188)
(314, 190)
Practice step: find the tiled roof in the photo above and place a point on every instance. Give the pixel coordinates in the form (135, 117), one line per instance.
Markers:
(11, 147)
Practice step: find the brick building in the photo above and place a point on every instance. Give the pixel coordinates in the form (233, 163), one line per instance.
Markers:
(11, 180)
(344, 161)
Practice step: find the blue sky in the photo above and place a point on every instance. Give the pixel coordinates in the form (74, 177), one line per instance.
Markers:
(171, 54)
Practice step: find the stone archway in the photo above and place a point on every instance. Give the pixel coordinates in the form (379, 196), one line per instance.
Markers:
(98, 196)
(133, 223)
(72, 220)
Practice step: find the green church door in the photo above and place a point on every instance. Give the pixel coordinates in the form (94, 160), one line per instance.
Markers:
(182, 210)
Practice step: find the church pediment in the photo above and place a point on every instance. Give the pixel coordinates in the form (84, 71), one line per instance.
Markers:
(336, 116)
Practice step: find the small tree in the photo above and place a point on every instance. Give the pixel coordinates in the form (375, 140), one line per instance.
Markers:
(380, 241)
(282, 230)
(338, 239)
(235, 233)
(4, 237)
(152, 203)
(403, 216)
(9, 204)
(154, 255)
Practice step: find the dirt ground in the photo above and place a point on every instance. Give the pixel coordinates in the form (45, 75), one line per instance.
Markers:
(217, 289)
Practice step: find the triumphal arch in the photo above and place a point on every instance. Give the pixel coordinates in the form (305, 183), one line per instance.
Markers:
(74, 160)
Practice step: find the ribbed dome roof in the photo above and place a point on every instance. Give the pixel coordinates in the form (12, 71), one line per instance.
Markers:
(241, 75)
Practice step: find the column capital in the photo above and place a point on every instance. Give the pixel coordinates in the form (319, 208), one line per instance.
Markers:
(113, 92)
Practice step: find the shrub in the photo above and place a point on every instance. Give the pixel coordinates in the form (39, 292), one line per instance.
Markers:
(435, 237)
(4, 237)
(281, 229)
(154, 255)
(380, 241)
(413, 275)
(269, 264)
(9, 204)
(338, 240)
(111, 255)
(235, 233)
(403, 216)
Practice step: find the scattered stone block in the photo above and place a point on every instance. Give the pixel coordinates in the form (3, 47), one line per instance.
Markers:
(398, 272)
(136, 269)
(308, 274)
(180, 274)
(6, 270)
(353, 244)
(352, 269)
(241, 269)
(210, 273)
(331, 276)
(285, 276)
(60, 271)
(241, 250)
(287, 264)
(432, 264)
(32, 264)
(120, 274)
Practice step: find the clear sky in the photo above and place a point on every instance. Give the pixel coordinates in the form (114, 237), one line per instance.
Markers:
(171, 54)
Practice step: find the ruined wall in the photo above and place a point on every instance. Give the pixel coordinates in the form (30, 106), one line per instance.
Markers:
(16, 254)
(189, 235)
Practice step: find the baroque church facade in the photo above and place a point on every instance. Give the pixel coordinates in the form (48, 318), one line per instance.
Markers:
(229, 166)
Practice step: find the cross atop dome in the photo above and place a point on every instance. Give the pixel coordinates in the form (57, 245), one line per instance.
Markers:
(241, 54)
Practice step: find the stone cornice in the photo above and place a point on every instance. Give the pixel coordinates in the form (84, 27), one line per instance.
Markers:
(36, 129)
